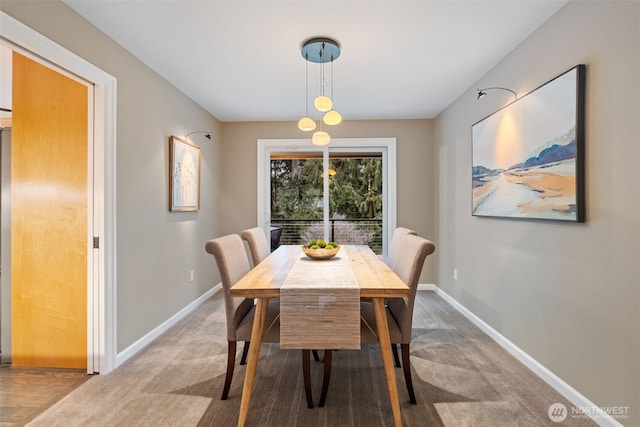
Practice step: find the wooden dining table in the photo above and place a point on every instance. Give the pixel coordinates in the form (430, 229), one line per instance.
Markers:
(374, 279)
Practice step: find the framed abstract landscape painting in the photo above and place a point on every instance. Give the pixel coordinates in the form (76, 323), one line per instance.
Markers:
(528, 158)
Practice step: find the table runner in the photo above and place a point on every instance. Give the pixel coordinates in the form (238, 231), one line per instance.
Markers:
(320, 305)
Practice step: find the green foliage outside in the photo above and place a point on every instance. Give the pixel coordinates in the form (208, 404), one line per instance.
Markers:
(355, 192)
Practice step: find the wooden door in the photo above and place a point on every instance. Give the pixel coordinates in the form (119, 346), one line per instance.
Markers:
(48, 217)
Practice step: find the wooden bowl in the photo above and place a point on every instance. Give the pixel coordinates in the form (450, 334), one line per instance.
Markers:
(321, 253)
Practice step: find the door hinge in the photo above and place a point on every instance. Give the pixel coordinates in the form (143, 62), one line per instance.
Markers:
(96, 242)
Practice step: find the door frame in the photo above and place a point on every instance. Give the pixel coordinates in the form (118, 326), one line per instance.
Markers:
(385, 145)
(101, 262)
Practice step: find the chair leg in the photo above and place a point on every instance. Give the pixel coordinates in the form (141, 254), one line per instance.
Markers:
(394, 349)
(231, 361)
(406, 365)
(306, 375)
(326, 377)
(315, 355)
(245, 350)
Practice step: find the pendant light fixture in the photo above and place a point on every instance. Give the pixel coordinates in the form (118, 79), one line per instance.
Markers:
(320, 138)
(332, 118)
(320, 50)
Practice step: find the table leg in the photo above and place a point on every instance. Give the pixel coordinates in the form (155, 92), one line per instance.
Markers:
(387, 358)
(252, 360)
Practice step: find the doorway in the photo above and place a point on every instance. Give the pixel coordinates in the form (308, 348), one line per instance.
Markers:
(100, 271)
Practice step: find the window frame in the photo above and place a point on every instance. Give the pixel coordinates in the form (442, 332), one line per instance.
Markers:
(385, 146)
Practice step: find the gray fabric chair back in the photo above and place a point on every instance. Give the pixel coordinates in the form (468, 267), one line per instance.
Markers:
(233, 264)
(258, 244)
(394, 245)
(412, 252)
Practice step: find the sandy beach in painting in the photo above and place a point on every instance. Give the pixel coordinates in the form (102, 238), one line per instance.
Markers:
(545, 192)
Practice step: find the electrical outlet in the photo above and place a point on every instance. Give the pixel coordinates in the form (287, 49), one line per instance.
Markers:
(455, 274)
(191, 275)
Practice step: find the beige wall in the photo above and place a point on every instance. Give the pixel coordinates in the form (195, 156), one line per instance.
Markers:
(567, 294)
(155, 248)
(415, 177)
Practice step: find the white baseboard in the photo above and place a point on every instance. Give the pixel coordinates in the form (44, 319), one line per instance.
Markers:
(572, 395)
(128, 352)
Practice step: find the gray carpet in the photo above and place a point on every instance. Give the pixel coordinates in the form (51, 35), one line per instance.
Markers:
(461, 378)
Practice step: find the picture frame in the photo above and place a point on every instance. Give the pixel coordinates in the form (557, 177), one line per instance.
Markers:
(528, 157)
(184, 175)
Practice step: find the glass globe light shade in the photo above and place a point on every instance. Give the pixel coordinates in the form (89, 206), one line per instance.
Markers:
(332, 118)
(306, 124)
(320, 138)
(323, 103)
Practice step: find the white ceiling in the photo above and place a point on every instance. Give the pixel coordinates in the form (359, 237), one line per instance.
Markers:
(241, 60)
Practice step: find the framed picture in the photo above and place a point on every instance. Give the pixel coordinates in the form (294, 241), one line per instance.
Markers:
(528, 158)
(184, 172)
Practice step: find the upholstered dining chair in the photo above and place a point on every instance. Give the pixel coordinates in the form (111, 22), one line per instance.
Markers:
(394, 244)
(233, 263)
(411, 255)
(259, 248)
(258, 244)
(392, 254)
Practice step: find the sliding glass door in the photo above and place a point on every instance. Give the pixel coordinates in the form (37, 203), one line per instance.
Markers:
(343, 193)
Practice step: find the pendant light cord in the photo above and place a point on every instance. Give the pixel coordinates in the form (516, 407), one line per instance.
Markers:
(306, 86)
(322, 78)
(332, 79)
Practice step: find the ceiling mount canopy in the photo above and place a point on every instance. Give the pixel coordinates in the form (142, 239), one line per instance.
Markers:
(320, 50)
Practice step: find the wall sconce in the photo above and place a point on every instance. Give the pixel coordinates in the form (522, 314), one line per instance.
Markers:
(482, 93)
(320, 50)
(207, 133)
